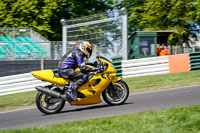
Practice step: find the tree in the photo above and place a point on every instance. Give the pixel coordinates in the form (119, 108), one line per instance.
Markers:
(74, 9)
(195, 13)
(135, 10)
(175, 15)
(44, 15)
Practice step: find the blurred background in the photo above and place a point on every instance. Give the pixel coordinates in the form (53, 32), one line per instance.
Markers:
(33, 37)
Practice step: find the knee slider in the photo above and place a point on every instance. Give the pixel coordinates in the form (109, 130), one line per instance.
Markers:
(85, 77)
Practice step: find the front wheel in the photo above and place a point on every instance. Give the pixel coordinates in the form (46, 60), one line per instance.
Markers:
(116, 93)
(48, 104)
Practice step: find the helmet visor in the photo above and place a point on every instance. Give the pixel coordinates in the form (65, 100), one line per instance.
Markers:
(89, 51)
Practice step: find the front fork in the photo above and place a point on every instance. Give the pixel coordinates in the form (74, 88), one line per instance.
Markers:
(115, 79)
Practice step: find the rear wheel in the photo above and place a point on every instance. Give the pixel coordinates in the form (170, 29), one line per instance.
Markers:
(116, 93)
(48, 104)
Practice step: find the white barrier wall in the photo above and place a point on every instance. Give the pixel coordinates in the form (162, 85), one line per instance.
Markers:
(130, 68)
(145, 66)
(19, 83)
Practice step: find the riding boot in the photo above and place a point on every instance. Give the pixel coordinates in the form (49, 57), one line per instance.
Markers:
(74, 86)
(73, 92)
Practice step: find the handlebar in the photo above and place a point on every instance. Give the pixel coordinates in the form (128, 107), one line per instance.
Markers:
(101, 65)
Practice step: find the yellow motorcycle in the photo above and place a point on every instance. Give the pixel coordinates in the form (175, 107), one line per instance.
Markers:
(51, 99)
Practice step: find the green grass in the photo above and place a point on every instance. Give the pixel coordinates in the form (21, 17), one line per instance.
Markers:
(175, 120)
(18, 100)
(164, 81)
(136, 84)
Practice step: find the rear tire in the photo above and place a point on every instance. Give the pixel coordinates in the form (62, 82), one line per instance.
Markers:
(116, 93)
(40, 103)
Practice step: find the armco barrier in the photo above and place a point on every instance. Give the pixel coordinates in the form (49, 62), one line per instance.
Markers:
(195, 61)
(19, 83)
(118, 67)
(125, 69)
(158, 65)
(145, 66)
(128, 68)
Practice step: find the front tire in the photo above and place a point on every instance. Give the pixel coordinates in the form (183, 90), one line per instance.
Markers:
(48, 104)
(116, 93)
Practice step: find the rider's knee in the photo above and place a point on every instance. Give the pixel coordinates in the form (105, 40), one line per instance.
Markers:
(85, 77)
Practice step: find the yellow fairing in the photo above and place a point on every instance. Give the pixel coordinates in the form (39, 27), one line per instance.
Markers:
(48, 75)
(111, 69)
(116, 79)
(92, 91)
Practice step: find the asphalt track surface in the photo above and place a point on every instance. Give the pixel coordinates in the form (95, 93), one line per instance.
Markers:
(138, 102)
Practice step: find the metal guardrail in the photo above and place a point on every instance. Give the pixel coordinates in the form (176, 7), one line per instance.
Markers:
(195, 61)
(125, 69)
(118, 67)
(19, 83)
(145, 66)
(141, 67)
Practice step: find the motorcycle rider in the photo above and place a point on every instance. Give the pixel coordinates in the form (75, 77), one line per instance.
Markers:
(71, 60)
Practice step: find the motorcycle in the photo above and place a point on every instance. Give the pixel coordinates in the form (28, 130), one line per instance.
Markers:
(51, 99)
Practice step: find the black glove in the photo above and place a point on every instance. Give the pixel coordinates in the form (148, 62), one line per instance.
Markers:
(94, 69)
(95, 63)
(98, 70)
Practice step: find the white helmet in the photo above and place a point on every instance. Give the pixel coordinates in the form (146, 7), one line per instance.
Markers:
(86, 48)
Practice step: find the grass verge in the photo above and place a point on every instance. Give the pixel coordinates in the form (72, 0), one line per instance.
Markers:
(17, 101)
(136, 84)
(163, 81)
(175, 120)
